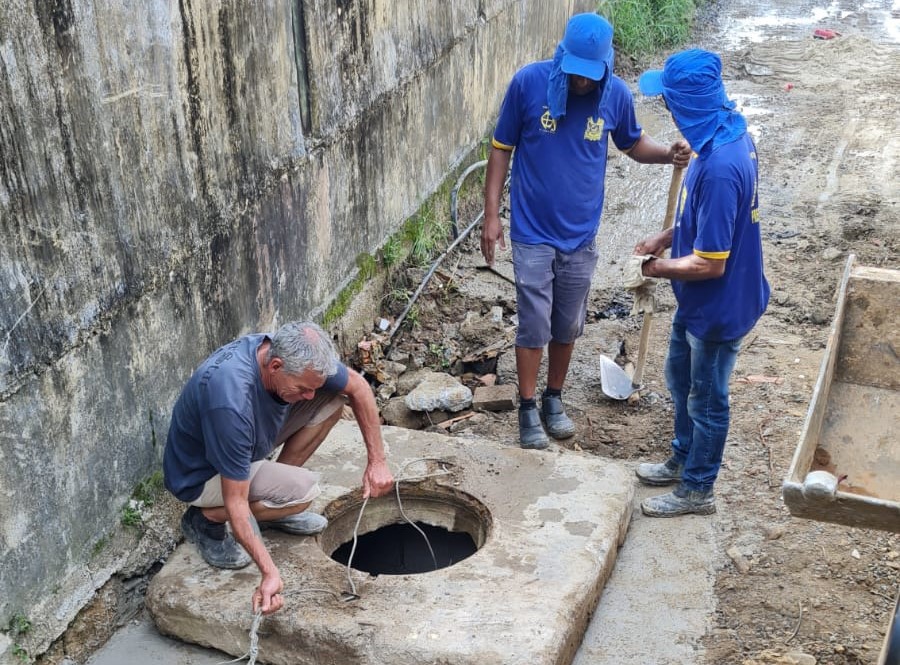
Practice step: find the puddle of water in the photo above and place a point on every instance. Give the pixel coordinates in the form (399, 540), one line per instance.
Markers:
(754, 22)
(892, 22)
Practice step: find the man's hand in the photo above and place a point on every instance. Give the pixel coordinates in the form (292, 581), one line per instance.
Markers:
(492, 229)
(267, 596)
(654, 245)
(681, 154)
(377, 480)
(491, 233)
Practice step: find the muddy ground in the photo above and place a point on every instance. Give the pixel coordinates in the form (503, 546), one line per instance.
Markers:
(825, 117)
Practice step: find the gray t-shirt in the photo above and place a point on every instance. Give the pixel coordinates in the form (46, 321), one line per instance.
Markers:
(225, 419)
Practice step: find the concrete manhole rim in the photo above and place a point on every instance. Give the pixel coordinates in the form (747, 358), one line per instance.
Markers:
(427, 502)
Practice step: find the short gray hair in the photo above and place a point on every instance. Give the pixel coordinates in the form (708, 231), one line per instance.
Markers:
(304, 345)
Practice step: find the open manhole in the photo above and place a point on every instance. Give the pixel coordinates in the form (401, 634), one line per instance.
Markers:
(391, 538)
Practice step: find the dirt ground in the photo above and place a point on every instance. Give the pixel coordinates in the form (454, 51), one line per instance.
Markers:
(825, 117)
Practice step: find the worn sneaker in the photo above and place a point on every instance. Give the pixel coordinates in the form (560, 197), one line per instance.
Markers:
(679, 501)
(531, 432)
(216, 544)
(299, 524)
(553, 413)
(659, 474)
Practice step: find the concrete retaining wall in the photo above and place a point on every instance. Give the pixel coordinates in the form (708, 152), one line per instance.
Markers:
(176, 173)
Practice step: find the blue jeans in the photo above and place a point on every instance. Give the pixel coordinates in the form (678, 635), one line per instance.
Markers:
(697, 374)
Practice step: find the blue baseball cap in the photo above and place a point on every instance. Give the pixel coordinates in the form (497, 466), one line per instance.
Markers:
(688, 71)
(587, 44)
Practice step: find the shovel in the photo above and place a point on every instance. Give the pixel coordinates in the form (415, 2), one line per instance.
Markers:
(613, 379)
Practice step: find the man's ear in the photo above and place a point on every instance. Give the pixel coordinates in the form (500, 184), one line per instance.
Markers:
(276, 364)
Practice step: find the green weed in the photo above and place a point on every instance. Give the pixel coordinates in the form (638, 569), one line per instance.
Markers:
(412, 317)
(99, 545)
(392, 252)
(149, 489)
(19, 624)
(643, 27)
(131, 516)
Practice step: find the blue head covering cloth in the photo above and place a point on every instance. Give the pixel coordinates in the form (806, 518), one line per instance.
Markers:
(585, 50)
(691, 84)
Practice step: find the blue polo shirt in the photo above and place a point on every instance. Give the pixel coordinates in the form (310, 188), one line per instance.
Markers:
(718, 218)
(558, 173)
(225, 419)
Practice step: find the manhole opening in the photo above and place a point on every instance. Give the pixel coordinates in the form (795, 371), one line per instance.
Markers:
(401, 549)
(456, 525)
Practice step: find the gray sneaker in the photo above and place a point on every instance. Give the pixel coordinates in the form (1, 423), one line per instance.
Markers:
(659, 474)
(553, 413)
(216, 544)
(300, 524)
(531, 432)
(679, 501)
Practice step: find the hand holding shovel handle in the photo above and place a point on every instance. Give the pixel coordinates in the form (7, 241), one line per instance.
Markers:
(671, 203)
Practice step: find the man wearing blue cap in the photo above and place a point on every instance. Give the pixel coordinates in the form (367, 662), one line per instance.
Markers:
(557, 115)
(716, 271)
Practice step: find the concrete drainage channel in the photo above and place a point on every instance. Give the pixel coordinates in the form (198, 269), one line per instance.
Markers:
(522, 545)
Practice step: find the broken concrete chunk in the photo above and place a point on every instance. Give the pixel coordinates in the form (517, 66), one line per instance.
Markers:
(495, 398)
(440, 392)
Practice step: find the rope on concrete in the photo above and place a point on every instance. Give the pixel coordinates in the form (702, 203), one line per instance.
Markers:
(443, 472)
(253, 651)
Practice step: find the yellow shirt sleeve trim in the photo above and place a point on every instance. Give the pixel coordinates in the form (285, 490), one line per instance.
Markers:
(501, 146)
(712, 255)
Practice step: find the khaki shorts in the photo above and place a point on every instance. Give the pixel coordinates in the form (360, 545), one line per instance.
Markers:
(281, 485)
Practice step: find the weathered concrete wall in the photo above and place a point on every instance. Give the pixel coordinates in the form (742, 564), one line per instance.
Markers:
(175, 173)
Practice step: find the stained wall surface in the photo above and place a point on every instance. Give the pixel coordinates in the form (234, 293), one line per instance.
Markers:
(176, 173)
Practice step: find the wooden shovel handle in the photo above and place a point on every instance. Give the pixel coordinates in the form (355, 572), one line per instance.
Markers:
(671, 203)
(672, 200)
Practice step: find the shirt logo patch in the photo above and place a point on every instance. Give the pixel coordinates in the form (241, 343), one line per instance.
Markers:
(548, 124)
(594, 130)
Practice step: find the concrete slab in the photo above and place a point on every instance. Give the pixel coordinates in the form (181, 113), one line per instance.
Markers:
(556, 522)
(658, 581)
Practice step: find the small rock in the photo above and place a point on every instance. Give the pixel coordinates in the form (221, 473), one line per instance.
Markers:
(831, 253)
(855, 554)
(396, 413)
(774, 532)
(488, 379)
(742, 565)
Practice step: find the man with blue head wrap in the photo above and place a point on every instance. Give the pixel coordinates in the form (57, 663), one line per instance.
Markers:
(716, 271)
(557, 115)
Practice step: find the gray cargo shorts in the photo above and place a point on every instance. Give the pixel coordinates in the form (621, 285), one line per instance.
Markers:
(551, 292)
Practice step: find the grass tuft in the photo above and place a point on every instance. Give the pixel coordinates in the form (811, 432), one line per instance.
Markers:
(643, 27)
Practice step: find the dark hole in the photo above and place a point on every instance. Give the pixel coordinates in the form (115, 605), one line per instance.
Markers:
(482, 366)
(398, 549)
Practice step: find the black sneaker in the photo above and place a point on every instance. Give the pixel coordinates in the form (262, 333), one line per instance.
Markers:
(216, 545)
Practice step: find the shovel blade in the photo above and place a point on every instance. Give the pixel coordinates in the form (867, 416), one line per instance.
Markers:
(614, 381)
